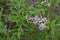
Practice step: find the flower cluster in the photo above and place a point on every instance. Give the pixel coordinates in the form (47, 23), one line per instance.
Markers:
(46, 1)
(40, 21)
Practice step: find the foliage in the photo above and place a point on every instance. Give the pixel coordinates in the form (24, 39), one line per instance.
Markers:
(14, 26)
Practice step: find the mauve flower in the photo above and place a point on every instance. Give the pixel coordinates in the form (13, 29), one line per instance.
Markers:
(44, 19)
(42, 26)
(40, 21)
(36, 17)
(35, 22)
